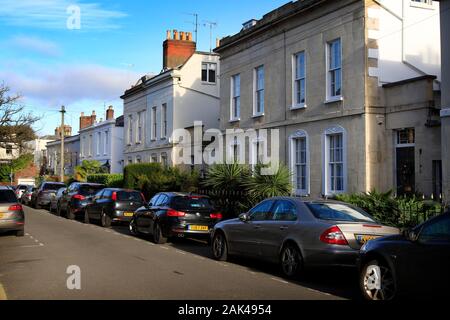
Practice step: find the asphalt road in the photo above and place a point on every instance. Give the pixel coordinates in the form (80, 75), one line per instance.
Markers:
(116, 265)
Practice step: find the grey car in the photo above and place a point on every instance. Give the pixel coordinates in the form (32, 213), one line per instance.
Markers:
(26, 196)
(12, 217)
(298, 233)
(41, 197)
(55, 198)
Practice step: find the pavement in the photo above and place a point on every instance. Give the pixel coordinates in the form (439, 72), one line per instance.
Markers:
(115, 265)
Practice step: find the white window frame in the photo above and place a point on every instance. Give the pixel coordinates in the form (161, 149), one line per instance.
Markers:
(154, 123)
(208, 68)
(327, 190)
(297, 80)
(107, 141)
(164, 158)
(140, 127)
(235, 144)
(154, 158)
(257, 90)
(235, 98)
(99, 142)
(90, 145)
(256, 151)
(163, 121)
(130, 129)
(331, 96)
(300, 134)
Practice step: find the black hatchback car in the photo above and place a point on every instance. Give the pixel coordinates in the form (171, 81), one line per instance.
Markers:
(176, 215)
(113, 205)
(77, 196)
(414, 264)
(42, 196)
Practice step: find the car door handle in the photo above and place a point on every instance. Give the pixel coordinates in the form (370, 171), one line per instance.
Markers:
(257, 227)
(283, 228)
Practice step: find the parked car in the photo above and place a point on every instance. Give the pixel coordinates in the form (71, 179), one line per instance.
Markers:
(77, 196)
(416, 262)
(55, 198)
(12, 217)
(175, 215)
(298, 233)
(41, 196)
(113, 205)
(26, 196)
(20, 189)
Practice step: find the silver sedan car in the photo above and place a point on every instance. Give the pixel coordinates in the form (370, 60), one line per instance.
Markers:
(298, 233)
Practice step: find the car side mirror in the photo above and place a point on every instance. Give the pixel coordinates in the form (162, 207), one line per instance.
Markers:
(411, 235)
(244, 217)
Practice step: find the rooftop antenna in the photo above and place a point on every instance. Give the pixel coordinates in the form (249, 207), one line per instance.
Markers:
(195, 23)
(211, 25)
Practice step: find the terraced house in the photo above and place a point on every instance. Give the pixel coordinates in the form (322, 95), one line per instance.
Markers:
(185, 91)
(352, 85)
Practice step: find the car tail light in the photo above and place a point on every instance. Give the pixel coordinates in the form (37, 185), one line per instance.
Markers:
(175, 213)
(216, 215)
(15, 207)
(79, 197)
(114, 196)
(334, 235)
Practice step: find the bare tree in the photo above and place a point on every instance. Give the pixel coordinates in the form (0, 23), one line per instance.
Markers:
(15, 122)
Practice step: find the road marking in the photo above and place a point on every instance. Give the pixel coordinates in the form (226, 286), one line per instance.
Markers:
(3, 295)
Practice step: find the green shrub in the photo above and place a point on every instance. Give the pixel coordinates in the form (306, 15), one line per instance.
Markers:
(16, 165)
(152, 178)
(109, 180)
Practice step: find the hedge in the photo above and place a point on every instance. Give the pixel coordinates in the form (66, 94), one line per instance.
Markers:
(152, 178)
(109, 180)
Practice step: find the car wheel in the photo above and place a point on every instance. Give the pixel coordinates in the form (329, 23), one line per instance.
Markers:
(132, 228)
(86, 216)
(377, 281)
(20, 233)
(291, 260)
(70, 213)
(219, 247)
(105, 220)
(158, 236)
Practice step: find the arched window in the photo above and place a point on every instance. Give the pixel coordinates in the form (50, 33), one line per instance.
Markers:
(299, 162)
(335, 161)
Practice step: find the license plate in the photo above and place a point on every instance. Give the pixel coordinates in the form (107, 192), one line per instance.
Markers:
(198, 228)
(362, 239)
(1, 215)
(128, 214)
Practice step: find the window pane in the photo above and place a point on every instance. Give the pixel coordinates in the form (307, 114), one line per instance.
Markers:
(212, 76)
(204, 75)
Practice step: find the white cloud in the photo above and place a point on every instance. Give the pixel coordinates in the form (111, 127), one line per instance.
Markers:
(37, 45)
(52, 14)
(61, 84)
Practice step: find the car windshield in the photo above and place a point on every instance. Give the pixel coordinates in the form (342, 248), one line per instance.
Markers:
(129, 196)
(89, 190)
(191, 203)
(339, 212)
(52, 186)
(7, 196)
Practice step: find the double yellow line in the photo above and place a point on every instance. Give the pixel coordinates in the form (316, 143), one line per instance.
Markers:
(2, 293)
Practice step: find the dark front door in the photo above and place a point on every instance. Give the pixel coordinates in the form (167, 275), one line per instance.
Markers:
(405, 171)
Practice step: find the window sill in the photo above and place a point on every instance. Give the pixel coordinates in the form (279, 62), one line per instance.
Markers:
(259, 115)
(415, 4)
(334, 99)
(298, 106)
(234, 120)
(209, 83)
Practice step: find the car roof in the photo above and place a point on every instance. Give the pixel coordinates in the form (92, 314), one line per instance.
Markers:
(5, 188)
(306, 199)
(183, 194)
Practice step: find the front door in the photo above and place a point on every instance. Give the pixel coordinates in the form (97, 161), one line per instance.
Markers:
(405, 171)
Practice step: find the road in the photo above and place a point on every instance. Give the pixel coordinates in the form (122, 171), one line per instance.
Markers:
(116, 265)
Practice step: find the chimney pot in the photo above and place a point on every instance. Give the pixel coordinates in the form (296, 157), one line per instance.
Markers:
(175, 35)
(189, 36)
(217, 42)
(169, 35)
(110, 113)
(183, 36)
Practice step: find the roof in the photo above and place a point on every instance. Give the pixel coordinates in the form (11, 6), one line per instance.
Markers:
(273, 17)
(410, 80)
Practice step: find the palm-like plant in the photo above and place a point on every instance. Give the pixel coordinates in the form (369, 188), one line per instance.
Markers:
(262, 186)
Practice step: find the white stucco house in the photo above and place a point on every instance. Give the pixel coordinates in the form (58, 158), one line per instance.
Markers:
(103, 141)
(71, 155)
(186, 91)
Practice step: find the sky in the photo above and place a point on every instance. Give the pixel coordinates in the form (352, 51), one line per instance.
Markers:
(51, 60)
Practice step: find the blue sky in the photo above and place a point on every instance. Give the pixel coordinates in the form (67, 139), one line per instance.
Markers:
(50, 65)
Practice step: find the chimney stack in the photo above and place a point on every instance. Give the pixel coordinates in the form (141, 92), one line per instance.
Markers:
(87, 121)
(110, 113)
(177, 50)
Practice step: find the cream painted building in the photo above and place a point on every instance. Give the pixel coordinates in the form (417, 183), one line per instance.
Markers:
(186, 91)
(352, 85)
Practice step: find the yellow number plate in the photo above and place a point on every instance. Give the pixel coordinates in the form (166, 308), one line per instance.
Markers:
(1, 215)
(128, 214)
(362, 239)
(198, 228)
